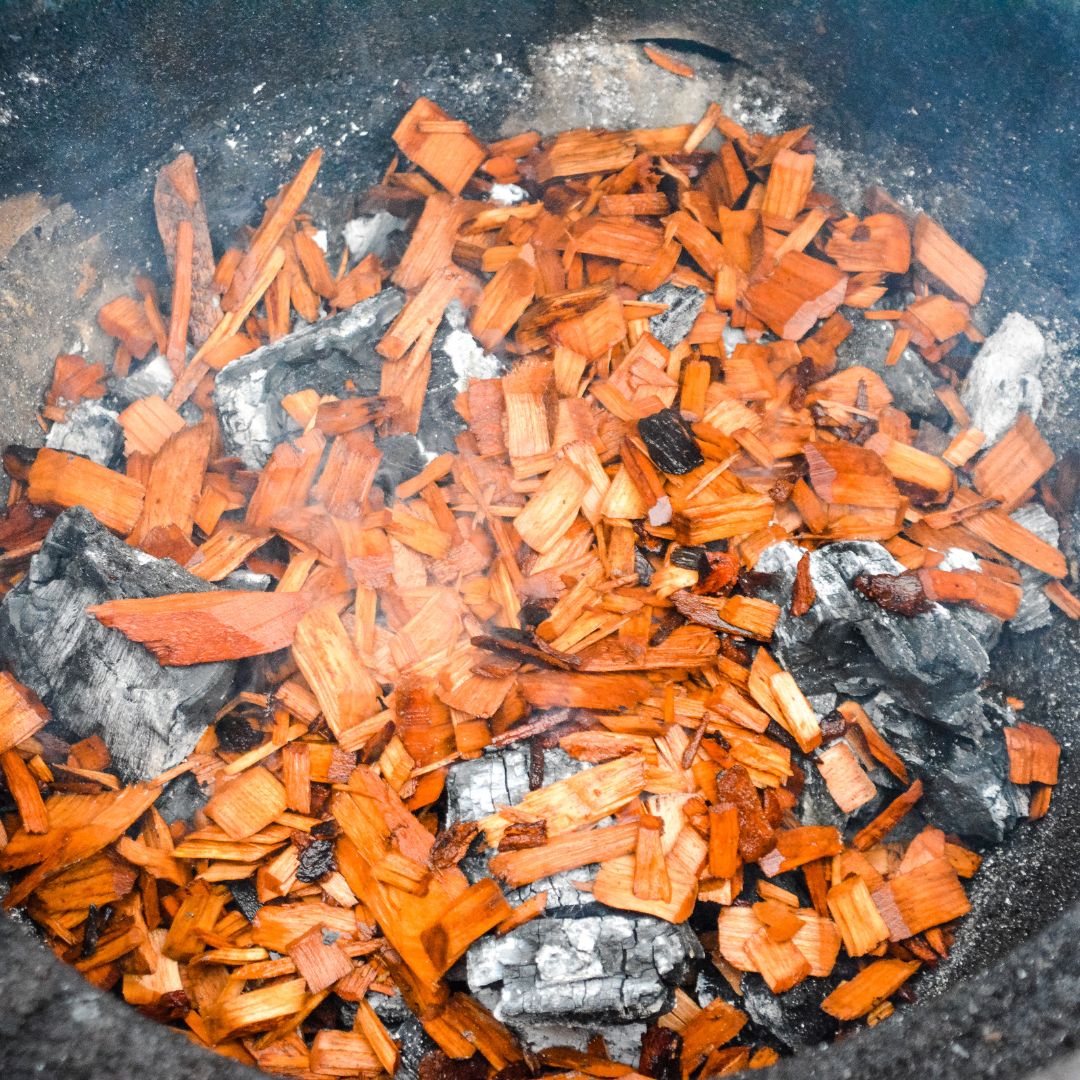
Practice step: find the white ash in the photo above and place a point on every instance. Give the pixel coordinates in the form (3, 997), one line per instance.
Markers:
(370, 233)
(466, 354)
(90, 430)
(1004, 377)
(507, 194)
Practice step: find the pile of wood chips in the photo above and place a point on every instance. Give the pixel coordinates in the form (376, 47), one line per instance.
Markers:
(397, 623)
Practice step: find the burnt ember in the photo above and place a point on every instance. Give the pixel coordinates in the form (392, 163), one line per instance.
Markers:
(901, 594)
(661, 1050)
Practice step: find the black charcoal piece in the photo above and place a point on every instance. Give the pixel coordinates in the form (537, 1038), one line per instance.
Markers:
(795, 1017)
(90, 430)
(236, 735)
(316, 860)
(670, 442)
(325, 356)
(246, 579)
(93, 680)
(597, 969)
(246, 897)
(930, 663)
(684, 306)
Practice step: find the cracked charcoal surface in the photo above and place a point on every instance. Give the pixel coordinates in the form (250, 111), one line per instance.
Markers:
(475, 788)
(932, 663)
(599, 969)
(92, 679)
(324, 356)
(90, 430)
(1004, 377)
(180, 798)
(684, 305)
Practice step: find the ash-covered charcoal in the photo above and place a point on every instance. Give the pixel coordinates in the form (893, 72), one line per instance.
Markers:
(932, 663)
(1004, 377)
(153, 377)
(910, 381)
(90, 430)
(246, 897)
(684, 306)
(246, 579)
(476, 788)
(93, 680)
(325, 356)
(402, 458)
(414, 1045)
(582, 972)
(316, 861)
(1035, 611)
(670, 442)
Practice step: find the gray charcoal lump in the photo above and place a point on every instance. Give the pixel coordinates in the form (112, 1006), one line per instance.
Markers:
(684, 306)
(611, 968)
(90, 430)
(475, 788)
(93, 679)
(325, 356)
(932, 663)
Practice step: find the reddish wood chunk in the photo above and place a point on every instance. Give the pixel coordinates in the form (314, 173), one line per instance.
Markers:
(198, 628)
(874, 984)
(21, 713)
(66, 480)
(1033, 754)
(441, 146)
(945, 263)
(319, 958)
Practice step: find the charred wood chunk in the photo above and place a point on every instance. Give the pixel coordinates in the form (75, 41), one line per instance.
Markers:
(316, 861)
(661, 1049)
(523, 834)
(236, 735)
(670, 442)
(245, 897)
(93, 680)
(452, 844)
(900, 594)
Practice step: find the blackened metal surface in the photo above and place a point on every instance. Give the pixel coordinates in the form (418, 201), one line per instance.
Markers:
(966, 108)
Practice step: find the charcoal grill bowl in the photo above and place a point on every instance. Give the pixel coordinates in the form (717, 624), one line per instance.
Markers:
(967, 107)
